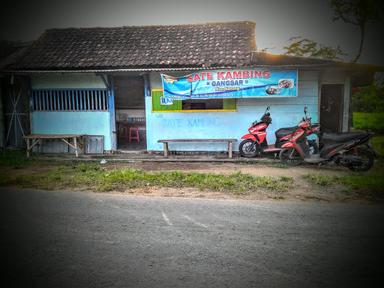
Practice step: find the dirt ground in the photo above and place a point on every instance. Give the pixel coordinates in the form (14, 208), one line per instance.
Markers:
(302, 190)
(256, 169)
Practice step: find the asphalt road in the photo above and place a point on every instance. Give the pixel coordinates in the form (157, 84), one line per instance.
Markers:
(69, 239)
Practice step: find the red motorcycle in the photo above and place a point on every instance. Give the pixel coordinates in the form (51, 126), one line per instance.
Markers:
(254, 143)
(351, 150)
(283, 135)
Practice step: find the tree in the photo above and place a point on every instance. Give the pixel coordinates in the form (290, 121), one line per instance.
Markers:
(358, 13)
(308, 48)
(368, 99)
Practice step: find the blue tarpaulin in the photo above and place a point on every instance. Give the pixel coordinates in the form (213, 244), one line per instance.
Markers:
(231, 84)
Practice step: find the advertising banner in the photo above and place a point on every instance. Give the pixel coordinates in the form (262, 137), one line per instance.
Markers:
(248, 83)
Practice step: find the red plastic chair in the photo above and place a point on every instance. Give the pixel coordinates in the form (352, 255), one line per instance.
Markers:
(134, 134)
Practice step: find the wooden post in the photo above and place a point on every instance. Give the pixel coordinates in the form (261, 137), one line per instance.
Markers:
(28, 147)
(111, 110)
(230, 144)
(75, 144)
(165, 149)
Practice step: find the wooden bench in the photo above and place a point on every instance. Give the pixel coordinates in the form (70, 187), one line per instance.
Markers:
(34, 139)
(167, 141)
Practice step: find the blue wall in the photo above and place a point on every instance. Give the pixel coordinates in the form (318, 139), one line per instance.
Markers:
(89, 123)
(79, 122)
(284, 111)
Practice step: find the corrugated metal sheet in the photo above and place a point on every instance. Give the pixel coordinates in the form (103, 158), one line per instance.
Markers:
(53, 146)
(93, 144)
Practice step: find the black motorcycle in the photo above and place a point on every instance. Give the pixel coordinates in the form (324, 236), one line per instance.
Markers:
(351, 150)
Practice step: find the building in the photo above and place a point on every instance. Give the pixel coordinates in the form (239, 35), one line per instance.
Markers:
(102, 81)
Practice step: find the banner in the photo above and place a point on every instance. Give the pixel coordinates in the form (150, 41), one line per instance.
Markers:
(248, 83)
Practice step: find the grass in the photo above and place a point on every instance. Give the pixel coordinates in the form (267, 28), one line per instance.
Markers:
(13, 158)
(370, 121)
(368, 184)
(321, 180)
(378, 144)
(94, 177)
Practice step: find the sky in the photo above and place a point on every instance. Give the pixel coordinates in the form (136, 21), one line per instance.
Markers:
(276, 20)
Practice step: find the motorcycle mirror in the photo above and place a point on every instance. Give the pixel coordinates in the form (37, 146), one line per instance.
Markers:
(267, 109)
(305, 110)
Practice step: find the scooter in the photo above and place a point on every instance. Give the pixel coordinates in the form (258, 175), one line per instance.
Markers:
(254, 143)
(284, 134)
(351, 150)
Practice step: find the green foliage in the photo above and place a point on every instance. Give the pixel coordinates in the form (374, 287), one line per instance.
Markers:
(368, 99)
(368, 107)
(309, 48)
(369, 121)
(378, 144)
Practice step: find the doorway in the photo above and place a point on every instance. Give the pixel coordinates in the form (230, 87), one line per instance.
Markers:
(130, 113)
(331, 107)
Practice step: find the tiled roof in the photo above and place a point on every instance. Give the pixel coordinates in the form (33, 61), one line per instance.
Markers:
(199, 45)
(263, 58)
(267, 59)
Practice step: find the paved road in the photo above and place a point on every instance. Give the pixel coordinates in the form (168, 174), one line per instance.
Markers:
(68, 239)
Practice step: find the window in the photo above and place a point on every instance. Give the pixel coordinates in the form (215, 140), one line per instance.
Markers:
(69, 100)
(197, 105)
(206, 104)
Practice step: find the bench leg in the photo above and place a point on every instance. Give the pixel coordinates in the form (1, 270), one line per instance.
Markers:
(230, 146)
(165, 145)
(75, 144)
(28, 147)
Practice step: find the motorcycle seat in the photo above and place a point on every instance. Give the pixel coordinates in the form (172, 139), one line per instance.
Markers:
(342, 137)
(285, 131)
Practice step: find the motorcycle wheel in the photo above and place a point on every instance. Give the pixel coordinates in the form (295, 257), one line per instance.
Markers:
(367, 160)
(248, 148)
(290, 157)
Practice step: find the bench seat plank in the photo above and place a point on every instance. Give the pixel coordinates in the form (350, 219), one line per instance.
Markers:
(167, 141)
(197, 140)
(51, 136)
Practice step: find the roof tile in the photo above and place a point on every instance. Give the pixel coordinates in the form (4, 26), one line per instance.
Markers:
(227, 44)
